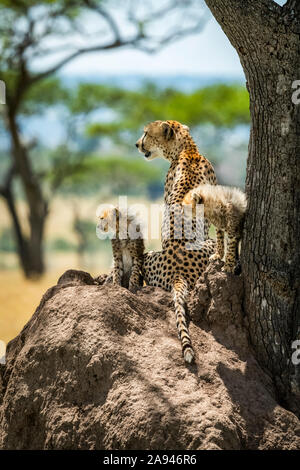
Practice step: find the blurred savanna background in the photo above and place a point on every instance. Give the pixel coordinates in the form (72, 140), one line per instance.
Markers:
(82, 78)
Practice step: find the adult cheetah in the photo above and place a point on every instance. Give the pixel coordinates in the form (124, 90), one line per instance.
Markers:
(182, 259)
(188, 169)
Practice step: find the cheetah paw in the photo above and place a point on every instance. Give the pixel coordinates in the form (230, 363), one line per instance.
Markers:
(134, 288)
(214, 257)
(228, 269)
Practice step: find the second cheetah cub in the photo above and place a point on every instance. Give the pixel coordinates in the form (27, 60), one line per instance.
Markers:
(225, 208)
(127, 245)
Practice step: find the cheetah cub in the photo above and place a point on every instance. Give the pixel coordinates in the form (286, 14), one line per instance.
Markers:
(127, 246)
(225, 208)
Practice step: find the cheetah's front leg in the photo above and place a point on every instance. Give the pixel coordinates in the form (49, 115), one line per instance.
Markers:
(134, 281)
(230, 260)
(118, 269)
(220, 245)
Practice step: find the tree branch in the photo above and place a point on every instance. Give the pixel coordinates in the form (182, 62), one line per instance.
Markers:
(158, 14)
(171, 37)
(136, 42)
(130, 42)
(107, 16)
(27, 79)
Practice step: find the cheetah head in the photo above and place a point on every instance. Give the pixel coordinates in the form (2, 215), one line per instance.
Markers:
(107, 218)
(162, 139)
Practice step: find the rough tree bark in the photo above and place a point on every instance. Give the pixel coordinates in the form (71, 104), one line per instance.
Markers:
(266, 37)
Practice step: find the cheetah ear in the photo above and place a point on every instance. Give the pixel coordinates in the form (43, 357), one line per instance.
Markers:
(197, 198)
(167, 130)
(185, 127)
(115, 214)
(200, 200)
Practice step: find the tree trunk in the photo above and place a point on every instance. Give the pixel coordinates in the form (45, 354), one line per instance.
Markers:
(266, 37)
(21, 242)
(30, 250)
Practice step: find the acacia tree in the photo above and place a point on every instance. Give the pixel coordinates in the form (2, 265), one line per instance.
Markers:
(34, 34)
(266, 37)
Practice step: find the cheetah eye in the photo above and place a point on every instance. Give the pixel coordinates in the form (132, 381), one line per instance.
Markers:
(147, 134)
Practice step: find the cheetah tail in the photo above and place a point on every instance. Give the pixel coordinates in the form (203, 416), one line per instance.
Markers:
(180, 290)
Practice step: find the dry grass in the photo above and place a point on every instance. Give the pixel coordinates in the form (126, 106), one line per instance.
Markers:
(18, 300)
(19, 297)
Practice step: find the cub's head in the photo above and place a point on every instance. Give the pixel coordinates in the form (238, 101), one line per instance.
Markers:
(162, 139)
(107, 218)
